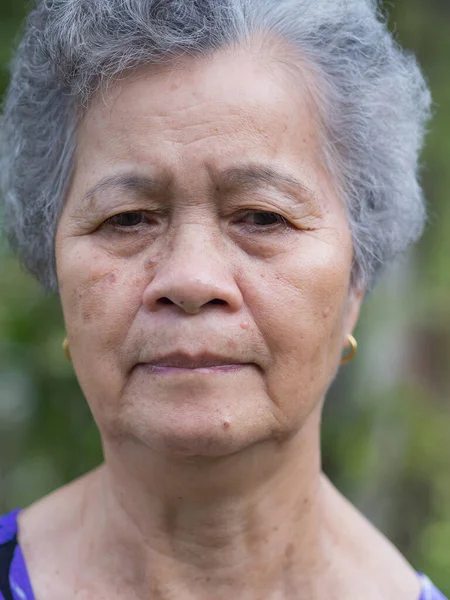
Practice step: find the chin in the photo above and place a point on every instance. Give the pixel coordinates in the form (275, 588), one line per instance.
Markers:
(209, 435)
(199, 446)
(201, 420)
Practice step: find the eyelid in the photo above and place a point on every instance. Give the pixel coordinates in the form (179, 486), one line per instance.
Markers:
(128, 212)
(140, 211)
(152, 214)
(109, 224)
(264, 212)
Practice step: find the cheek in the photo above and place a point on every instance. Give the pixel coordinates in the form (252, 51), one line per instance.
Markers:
(305, 293)
(300, 310)
(100, 296)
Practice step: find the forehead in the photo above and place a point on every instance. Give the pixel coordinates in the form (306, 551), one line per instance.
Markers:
(234, 84)
(239, 105)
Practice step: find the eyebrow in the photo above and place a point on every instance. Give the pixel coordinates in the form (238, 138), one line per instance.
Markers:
(254, 174)
(246, 176)
(143, 184)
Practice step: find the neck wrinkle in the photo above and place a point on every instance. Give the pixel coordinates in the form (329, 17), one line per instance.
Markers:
(252, 521)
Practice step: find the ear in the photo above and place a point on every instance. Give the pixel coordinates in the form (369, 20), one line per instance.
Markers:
(354, 303)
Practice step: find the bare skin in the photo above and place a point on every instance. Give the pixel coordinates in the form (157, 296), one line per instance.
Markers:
(235, 243)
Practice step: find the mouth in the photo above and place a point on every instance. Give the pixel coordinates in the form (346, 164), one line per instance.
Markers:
(204, 363)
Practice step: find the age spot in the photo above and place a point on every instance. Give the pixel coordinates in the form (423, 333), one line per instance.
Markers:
(150, 264)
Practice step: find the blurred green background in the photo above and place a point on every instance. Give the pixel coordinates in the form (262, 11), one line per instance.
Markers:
(386, 432)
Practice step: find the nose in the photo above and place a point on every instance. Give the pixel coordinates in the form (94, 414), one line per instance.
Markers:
(193, 276)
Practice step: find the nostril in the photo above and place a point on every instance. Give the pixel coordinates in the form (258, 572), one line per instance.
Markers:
(190, 305)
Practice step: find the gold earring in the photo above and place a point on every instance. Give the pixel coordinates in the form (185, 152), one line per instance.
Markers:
(354, 349)
(66, 350)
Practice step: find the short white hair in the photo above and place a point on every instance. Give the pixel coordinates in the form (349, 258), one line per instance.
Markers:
(375, 105)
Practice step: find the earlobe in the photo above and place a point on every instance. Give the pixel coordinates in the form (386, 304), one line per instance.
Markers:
(355, 300)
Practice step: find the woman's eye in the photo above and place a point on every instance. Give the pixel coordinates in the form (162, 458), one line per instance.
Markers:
(127, 219)
(261, 219)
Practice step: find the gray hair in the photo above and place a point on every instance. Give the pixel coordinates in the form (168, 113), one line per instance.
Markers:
(373, 97)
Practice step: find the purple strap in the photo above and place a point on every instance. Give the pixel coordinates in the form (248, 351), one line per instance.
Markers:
(21, 586)
(429, 591)
(18, 575)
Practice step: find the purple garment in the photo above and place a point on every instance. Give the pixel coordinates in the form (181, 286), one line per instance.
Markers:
(15, 582)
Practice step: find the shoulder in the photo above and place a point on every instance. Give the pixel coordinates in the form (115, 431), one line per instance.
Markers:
(48, 537)
(368, 555)
(384, 566)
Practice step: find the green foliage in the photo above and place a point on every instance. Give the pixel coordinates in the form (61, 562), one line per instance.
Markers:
(387, 420)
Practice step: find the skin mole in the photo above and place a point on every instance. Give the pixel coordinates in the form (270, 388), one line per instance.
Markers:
(150, 264)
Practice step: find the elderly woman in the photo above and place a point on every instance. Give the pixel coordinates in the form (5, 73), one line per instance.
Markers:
(211, 186)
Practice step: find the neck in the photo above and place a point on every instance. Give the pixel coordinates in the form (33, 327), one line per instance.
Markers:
(250, 524)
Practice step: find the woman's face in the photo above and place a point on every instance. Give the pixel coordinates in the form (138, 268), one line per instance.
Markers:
(204, 258)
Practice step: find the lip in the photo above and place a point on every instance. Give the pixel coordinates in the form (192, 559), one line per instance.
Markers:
(222, 369)
(200, 362)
